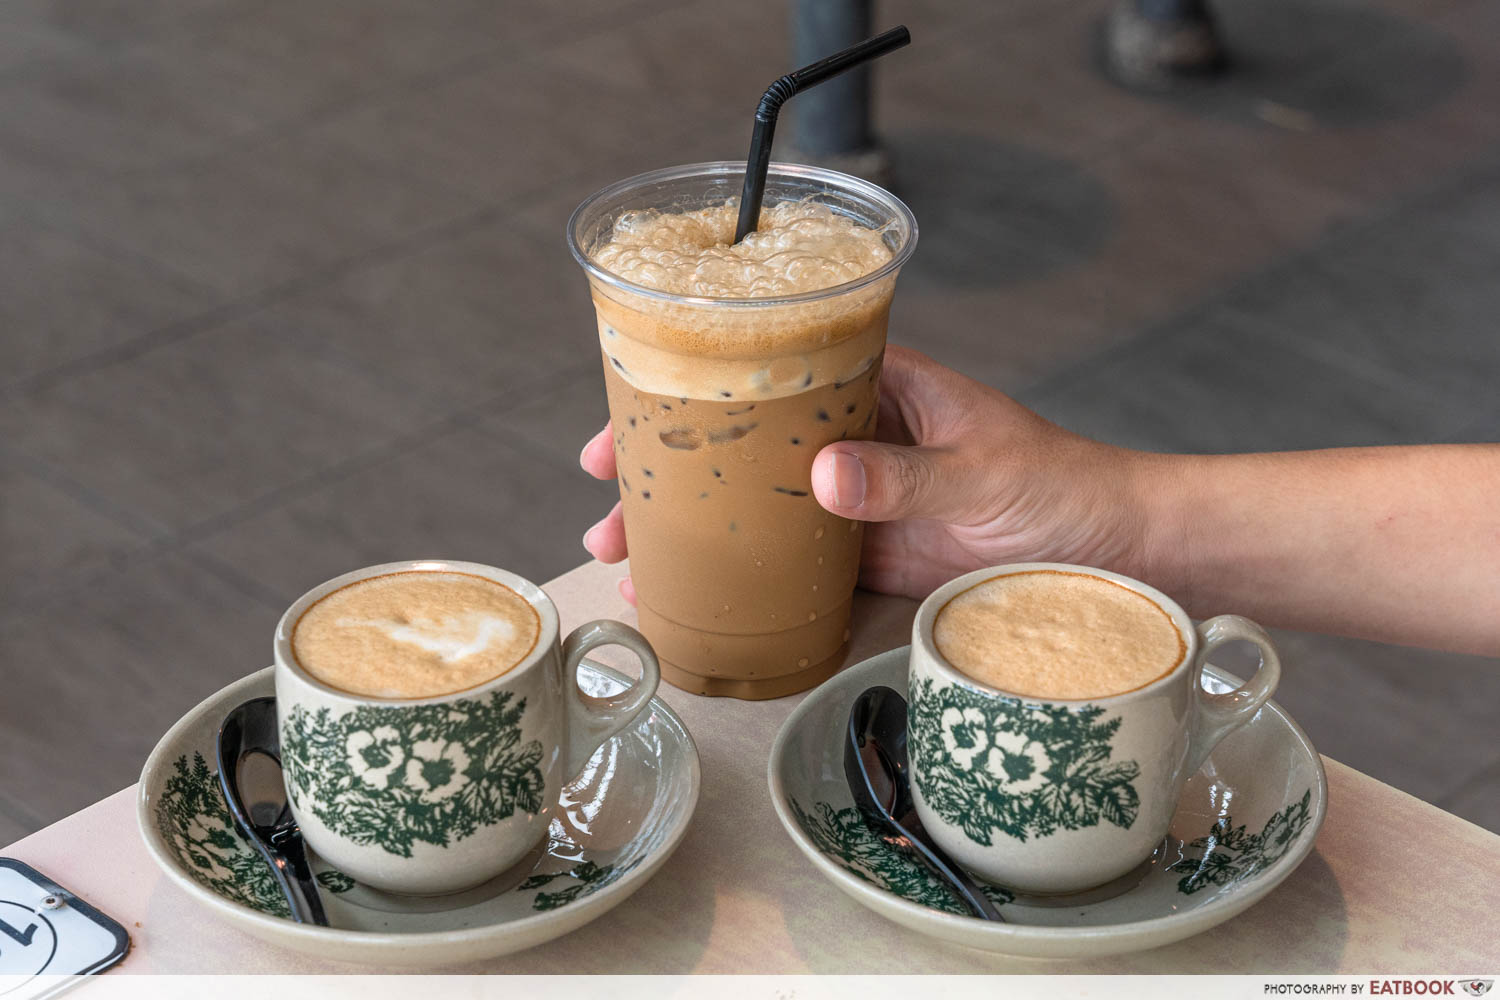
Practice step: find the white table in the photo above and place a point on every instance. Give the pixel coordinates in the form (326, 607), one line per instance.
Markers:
(1394, 884)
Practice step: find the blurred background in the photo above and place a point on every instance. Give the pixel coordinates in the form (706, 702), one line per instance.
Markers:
(284, 292)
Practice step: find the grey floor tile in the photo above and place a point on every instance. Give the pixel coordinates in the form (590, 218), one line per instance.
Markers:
(194, 77)
(1028, 261)
(26, 44)
(1208, 383)
(107, 671)
(1006, 282)
(1478, 801)
(1302, 122)
(498, 136)
(1012, 336)
(330, 54)
(1311, 63)
(266, 215)
(656, 54)
(1406, 296)
(132, 110)
(62, 300)
(993, 214)
(490, 310)
(49, 535)
(556, 424)
(1029, 83)
(202, 426)
(119, 23)
(525, 26)
(1191, 216)
(469, 494)
(16, 823)
(1405, 716)
(1423, 9)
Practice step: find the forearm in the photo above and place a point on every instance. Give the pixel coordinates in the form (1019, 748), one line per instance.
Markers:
(1397, 544)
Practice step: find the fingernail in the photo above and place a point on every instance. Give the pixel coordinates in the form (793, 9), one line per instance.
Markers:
(848, 480)
(588, 538)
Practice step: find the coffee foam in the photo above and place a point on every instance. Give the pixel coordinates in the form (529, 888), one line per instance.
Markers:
(1056, 634)
(798, 246)
(739, 350)
(415, 634)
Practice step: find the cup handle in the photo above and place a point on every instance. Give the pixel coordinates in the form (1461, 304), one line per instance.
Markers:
(592, 720)
(1218, 715)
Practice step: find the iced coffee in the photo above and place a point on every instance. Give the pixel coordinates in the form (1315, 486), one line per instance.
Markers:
(728, 366)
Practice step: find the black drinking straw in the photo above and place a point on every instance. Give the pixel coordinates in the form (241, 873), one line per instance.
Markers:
(784, 90)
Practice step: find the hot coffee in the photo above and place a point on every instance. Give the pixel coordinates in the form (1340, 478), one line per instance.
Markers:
(1062, 770)
(416, 634)
(1056, 634)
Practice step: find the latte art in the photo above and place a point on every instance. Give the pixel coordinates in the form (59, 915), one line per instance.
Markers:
(415, 634)
(452, 638)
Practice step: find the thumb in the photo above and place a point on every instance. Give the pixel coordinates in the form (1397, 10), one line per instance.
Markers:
(871, 481)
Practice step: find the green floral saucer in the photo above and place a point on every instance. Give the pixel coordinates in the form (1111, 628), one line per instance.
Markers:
(1244, 823)
(618, 822)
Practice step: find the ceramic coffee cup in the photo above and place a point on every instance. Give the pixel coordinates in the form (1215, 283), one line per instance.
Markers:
(1050, 796)
(433, 795)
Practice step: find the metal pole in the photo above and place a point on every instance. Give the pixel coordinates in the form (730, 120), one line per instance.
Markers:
(830, 124)
(833, 119)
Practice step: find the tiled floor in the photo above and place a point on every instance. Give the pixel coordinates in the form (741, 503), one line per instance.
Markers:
(283, 292)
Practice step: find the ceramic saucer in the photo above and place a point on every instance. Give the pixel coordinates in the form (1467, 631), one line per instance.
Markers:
(1244, 823)
(618, 823)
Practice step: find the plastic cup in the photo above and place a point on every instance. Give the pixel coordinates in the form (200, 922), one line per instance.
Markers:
(719, 405)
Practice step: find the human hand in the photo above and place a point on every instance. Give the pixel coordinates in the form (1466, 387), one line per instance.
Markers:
(960, 476)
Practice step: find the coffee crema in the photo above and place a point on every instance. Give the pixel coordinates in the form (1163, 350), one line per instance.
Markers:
(415, 634)
(1057, 634)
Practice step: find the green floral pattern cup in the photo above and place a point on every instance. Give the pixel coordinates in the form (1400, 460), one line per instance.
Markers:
(1053, 796)
(434, 795)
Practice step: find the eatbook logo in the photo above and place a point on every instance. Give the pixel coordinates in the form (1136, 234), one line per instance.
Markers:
(1477, 987)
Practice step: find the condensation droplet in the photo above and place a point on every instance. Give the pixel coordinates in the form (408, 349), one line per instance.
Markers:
(812, 616)
(819, 532)
(820, 560)
(802, 662)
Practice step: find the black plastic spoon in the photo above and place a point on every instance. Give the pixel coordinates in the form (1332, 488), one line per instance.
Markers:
(250, 776)
(878, 771)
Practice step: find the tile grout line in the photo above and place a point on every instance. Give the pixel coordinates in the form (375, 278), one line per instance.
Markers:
(230, 576)
(147, 530)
